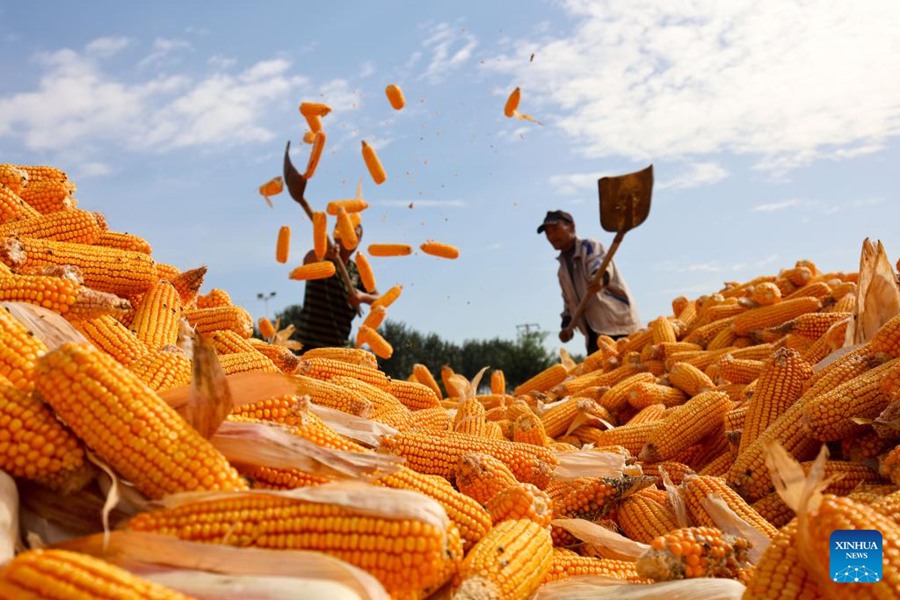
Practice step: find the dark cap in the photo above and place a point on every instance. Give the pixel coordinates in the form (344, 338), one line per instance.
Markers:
(555, 216)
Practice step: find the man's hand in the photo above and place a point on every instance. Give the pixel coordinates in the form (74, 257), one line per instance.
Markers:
(565, 335)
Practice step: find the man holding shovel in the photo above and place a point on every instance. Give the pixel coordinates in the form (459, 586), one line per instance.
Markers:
(610, 311)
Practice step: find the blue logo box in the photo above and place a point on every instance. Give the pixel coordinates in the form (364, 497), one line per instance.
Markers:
(856, 556)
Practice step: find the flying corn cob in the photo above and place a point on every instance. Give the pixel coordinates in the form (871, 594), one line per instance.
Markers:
(440, 250)
(314, 109)
(395, 96)
(389, 250)
(345, 230)
(283, 244)
(373, 164)
(388, 298)
(322, 269)
(380, 346)
(315, 154)
(273, 187)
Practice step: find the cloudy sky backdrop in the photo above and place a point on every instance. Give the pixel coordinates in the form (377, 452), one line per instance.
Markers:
(772, 126)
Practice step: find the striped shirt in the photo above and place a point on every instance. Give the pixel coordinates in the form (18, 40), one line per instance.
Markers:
(326, 317)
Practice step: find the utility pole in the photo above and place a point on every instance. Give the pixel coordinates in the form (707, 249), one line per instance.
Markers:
(265, 298)
(527, 328)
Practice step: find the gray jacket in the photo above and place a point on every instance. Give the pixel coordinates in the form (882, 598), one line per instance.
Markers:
(610, 312)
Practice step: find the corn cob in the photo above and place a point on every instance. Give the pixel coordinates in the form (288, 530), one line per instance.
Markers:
(353, 205)
(366, 276)
(674, 469)
(380, 346)
(737, 370)
(724, 339)
(528, 429)
(616, 399)
(776, 314)
(67, 226)
(440, 250)
(105, 269)
(643, 518)
(47, 196)
(388, 298)
(247, 362)
(704, 334)
(320, 234)
(113, 338)
(481, 476)
(557, 420)
(470, 418)
(520, 501)
(723, 311)
(353, 356)
(13, 177)
(414, 395)
(689, 379)
(430, 420)
(591, 498)
(631, 437)
(54, 574)
(373, 164)
(215, 298)
(282, 357)
(19, 351)
(543, 381)
(686, 425)
(293, 412)
(209, 320)
(439, 456)
(389, 250)
(322, 269)
(187, 283)
(315, 154)
(828, 415)
(269, 478)
(698, 487)
(395, 96)
(123, 241)
(779, 574)
(328, 368)
(163, 368)
(812, 325)
(314, 109)
(334, 396)
(765, 293)
(693, 552)
(647, 393)
(386, 408)
(407, 556)
(74, 376)
(512, 103)
(470, 518)
(568, 564)
(780, 384)
(654, 412)
(13, 207)
(157, 320)
(507, 564)
(283, 244)
(345, 230)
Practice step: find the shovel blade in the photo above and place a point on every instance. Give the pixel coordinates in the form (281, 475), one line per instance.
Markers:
(625, 199)
(295, 182)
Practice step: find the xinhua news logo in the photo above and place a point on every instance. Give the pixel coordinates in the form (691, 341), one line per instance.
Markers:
(855, 556)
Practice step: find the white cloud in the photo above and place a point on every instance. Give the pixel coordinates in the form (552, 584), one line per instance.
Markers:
(162, 49)
(94, 169)
(221, 63)
(107, 46)
(695, 175)
(367, 69)
(450, 48)
(715, 266)
(787, 82)
(423, 203)
(784, 204)
(573, 184)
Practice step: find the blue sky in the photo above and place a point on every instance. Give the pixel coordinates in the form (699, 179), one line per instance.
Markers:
(772, 126)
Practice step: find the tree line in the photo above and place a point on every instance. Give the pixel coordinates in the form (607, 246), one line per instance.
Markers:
(519, 359)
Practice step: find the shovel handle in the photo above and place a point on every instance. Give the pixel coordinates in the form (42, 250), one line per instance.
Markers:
(596, 283)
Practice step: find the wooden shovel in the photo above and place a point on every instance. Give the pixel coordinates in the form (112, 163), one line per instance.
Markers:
(624, 204)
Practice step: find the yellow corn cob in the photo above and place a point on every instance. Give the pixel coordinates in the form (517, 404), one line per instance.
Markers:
(689, 379)
(631, 437)
(828, 416)
(286, 361)
(389, 250)
(704, 334)
(345, 230)
(366, 276)
(266, 328)
(55, 293)
(66, 226)
(386, 408)
(407, 556)
(693, 552)
(269, 478)
(226, 341)
(776, 314)
(19, 351)
(247, 362)
(215, 298)
(43, 172)
(811, 325)
(105, 269)
(654, 412)
(887, 339)
(508, 563)
(724, 339)
(773, 509)
(512, 103)
(293, 412)
(123, 413)
(698, 487)
(314, 109)
(439, 249)
(315, 124)
(54, 574)
(389, 297)
(779, 574)
(315, 154)
(616, 399)
(481, 476)
(373, 164)
(322, 269)
(469, 418)
(353, 356)
(123, 241)
(543, 381)
(430, 420)
(520, 501)
(13, 207)
(686, 424)
(163, 368)
(353, 205)
(723, 311)
(424, 376)
(395, 96)
(380, 346)
(320, 234)
(439, 456)
(780, 384)
(643, 518)
(187, 283)
(414, 395)
(208, 320)
(13, 177)
(647, 393)
(738, 370)
(662, 330)
(36, 446)
(327, 368)
(498, 382)
(47, 196)
(470, 518)
(283, 244)
(157, 319)
(529, 429)
(113, 338)
(591, 498)
(568, 564)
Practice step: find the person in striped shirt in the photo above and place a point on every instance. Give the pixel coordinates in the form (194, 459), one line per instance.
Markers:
(328, 306)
